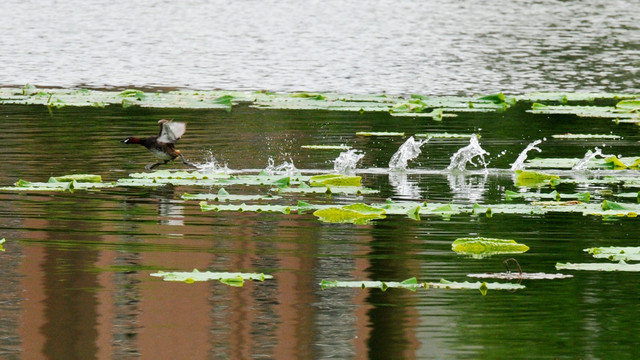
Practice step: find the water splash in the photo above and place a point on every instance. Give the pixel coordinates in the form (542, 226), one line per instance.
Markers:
(285, 168)
(582, 164)
(465, 155)
(211, 165)
(346, 162)
(407, 151)
(519, 163)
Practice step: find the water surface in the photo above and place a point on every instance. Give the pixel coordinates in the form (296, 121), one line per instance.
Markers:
(75, 275)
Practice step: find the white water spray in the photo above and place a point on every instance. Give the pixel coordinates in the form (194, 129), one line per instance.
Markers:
(465, 155)
(582, 164)
(285, 168)
(346, 162)
(212, 166)
(407, 151)
(519, 163)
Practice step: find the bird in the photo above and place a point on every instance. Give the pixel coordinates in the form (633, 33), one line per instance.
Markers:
(162, 145)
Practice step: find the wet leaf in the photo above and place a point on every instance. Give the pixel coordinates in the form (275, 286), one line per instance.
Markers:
(246, 208)
(480, 247)
(229, 278)
(354, 214)
(77, 177)
(334, 180)
(520, 276)
(535, 179)
(365, 133)
(620, 266)
(412, 284)
(614, 253)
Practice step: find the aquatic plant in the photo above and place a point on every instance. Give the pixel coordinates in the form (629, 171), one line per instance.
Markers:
(235, 279)
(480, 247)
(413, 285)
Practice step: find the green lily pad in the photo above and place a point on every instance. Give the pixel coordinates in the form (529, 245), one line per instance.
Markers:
(353, 214)
(235, 279)
(510, 195)
(334, 180)
(520, 276)
(444, 135)
(480, 247)
(347, 190)
(535, 179)
(2, 241)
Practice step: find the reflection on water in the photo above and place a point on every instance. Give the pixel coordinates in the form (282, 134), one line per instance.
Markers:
(75, 275)
(399, 47)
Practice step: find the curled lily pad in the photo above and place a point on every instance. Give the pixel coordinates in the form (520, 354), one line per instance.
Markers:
(235, 279)
(480, 247)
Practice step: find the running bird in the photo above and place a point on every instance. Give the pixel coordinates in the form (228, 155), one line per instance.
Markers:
(162, 145)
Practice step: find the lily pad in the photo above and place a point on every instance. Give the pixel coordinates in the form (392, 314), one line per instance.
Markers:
(353, 214)
(246, 208)
(77, 177)
(235, 279)
(535, 179)
(326, 147)
(224, 196)
(334, 180)
(2, 241)
(614, 253)
(587, 136)
(620, 266)
(520, 276)
(480, 247)
(390, 133)
(347, 190)
(412, 284)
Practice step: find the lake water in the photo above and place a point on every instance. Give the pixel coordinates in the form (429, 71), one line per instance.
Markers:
(76, 271)
(397, 47)
(75, 277)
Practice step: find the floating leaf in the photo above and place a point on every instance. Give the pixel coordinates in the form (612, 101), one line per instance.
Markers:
(348, 190)
(620, 266)
(610, 205)
(334, 180)
(354, 214)
(412, 284)
(229, 278)
(382, 133)
(534, 178)
(586, 136)
(326, 147)
(520, 276)
(77, 177)
(2, 241)
(480, 247)
(246, 208)
(614, 253)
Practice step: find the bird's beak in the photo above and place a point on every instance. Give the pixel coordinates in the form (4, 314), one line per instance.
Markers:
(124, 140)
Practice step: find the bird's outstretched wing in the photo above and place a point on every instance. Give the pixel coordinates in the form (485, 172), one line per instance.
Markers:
(171, 131)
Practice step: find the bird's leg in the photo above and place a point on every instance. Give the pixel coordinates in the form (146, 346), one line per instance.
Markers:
(153, 166)
(187, 162)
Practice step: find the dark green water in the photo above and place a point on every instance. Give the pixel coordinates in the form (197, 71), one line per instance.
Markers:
(75, 282)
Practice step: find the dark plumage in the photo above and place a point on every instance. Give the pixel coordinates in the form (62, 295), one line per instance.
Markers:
(161, 145)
